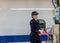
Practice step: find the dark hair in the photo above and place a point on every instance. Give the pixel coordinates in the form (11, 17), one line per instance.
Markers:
(34, 13)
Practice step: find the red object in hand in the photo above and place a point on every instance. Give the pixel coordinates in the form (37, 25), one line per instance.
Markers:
(45, 33)
(39, 34)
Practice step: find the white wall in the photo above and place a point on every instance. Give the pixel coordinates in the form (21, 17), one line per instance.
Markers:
(16, 22)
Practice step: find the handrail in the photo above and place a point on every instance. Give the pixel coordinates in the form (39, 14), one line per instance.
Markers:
(53, 4)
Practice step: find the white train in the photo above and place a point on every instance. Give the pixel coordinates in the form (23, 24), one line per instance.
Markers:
(15, 26)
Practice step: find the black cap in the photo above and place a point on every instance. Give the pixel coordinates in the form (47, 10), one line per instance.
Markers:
(35, 13)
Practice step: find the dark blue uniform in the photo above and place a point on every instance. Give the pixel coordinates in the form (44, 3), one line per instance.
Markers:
(34, 38)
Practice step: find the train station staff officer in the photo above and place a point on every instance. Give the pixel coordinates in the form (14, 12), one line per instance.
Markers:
(34, 24)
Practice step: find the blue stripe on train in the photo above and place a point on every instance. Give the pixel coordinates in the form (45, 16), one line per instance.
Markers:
(15, 38)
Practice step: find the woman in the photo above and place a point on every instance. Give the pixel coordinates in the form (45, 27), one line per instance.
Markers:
(34, 24)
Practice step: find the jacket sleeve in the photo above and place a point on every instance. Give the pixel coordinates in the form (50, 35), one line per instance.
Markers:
(34, 26)
(37, 26)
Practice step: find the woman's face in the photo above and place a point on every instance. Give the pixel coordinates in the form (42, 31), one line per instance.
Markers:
(35, 16)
